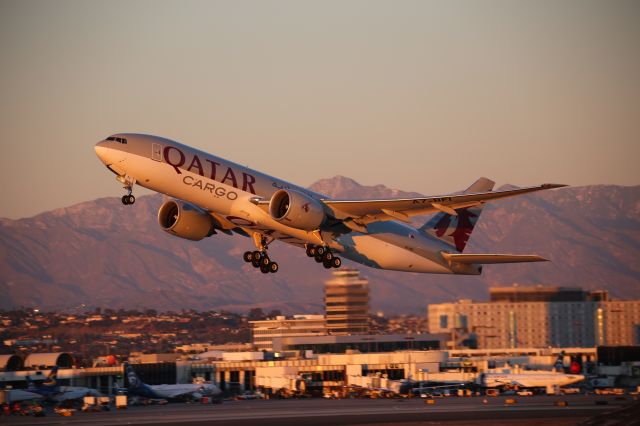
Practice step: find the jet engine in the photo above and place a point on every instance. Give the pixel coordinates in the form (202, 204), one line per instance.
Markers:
(297, 210)
(185, 220)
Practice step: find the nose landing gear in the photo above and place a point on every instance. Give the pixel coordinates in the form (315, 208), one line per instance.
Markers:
(128, 182)
(128, 199)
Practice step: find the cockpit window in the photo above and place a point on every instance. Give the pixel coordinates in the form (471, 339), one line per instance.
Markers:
(120, 140)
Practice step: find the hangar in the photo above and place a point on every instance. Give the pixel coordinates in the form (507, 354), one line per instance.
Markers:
(11, 363)
(40, 361)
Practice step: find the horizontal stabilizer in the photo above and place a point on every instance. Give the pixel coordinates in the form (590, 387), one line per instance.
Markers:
(485, 259)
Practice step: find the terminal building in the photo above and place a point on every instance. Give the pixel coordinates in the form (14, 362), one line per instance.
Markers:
(264, 332)
(539, 317)
(362, 343)
(304, 372)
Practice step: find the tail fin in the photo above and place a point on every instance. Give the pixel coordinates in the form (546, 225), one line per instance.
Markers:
(133, 381)
(51, 378)
(559, 364)
(455, 230)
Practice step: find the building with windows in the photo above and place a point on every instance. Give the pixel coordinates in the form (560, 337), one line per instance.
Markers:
(263, 332)
(346, 299)
(618, 323)
(540, 293)
(362, 343)
(540, 317)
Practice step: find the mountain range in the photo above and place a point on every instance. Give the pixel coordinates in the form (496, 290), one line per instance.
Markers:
(102, 253)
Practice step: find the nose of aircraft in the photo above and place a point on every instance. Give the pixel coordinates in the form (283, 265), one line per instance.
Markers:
(101, 150)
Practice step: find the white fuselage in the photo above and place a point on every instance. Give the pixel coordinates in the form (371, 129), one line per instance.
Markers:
(173, 391)
(226, 189)
(532, 379)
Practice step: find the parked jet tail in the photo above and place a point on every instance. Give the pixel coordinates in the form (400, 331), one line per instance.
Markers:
(52, 378)
(134, 382)
(454, 227)
(50, 382)
(559, 364)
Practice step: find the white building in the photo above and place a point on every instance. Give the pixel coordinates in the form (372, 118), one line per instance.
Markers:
(263, 332)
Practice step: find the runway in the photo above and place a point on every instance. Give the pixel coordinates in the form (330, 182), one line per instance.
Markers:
(361, 412)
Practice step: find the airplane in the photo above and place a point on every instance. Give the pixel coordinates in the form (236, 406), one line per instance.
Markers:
(528, 379)
(215, 195)
(50, 390)
(531, 378)
(427, 387)
(136, 387)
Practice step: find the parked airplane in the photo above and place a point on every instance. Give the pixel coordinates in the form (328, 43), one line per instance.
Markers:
(426, 387)
(50, 390)
(531, 378)
(136, 387)
(213, 194)
(528, 379)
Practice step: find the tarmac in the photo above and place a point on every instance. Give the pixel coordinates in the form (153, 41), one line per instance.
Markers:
(588, 410)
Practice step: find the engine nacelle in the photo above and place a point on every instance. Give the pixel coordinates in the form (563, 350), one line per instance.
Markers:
(297, 210)
(185, 220)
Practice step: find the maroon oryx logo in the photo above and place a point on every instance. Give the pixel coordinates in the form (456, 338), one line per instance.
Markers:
(305, 207)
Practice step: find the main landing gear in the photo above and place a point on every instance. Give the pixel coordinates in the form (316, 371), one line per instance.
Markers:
(324, 255)
(259, 258)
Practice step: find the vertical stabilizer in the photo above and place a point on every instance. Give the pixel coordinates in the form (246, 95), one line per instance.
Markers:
(559, 364)
(133, 381)
(52, 377)
(455, 230)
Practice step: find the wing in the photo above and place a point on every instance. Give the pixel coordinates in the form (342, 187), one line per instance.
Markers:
(176, 393)
(367, 211)
(22, 395)
(173, 391)
(487, 259)
(73, 394)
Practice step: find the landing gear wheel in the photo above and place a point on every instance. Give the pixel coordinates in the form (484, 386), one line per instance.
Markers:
(336, 262)
(264, 261)
(318, 258)
(255, 262)
(247, 256)
(320, 250)
(311, 251)
(264, 269)
(327, 256)
(128, 199)
(273, 267)
(327, 264)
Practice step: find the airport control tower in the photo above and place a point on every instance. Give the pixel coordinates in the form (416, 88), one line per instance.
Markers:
(346, 301)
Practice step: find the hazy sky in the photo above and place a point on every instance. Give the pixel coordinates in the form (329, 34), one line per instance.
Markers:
(417, 95)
